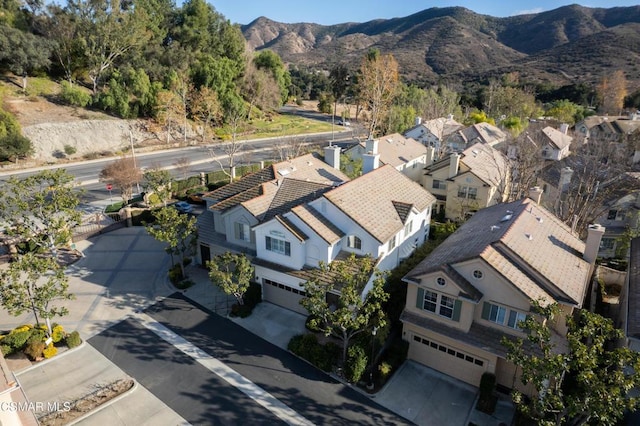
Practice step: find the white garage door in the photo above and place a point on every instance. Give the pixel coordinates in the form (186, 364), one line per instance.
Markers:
(283, 295)
(447, 359)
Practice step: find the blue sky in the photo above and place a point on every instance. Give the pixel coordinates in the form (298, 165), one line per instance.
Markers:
(329, 12)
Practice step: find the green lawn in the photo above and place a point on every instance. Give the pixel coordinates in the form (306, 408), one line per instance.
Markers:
(278, 125)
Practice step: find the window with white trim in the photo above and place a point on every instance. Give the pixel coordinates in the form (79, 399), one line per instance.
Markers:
(408, 228)
(354, 242)
(278, 246)
(392, 243)
(438, 304)
(467, 192)
(242, 231)
(607, 244)
(503, 316)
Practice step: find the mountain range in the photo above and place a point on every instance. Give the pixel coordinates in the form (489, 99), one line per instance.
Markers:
(454, 44)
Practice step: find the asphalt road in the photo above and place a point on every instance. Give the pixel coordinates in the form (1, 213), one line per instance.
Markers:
(202, 397)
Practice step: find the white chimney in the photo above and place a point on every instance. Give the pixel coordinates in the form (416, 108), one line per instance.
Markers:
(564, 128)
(332, 156)
(592, 245)
(431, 155)
(565, 178)
(418, 121)
(535, 194)
(370, 162)
(371, 146)
(454, 164)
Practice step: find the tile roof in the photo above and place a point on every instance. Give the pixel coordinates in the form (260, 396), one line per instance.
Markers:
(484, 133)
(301, 236)
(486, 162)
(441, 127)
(525, 243)
(291, 193)
(556, 137)
(320, 224)
(633, 296)
(397, 150)
(369, 200)
(258, 192)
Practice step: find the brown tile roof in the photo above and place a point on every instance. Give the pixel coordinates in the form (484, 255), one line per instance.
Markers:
(369, 200)
(320, 224)
(522, 241)
(311, 168)
(633, 296)
(239, 198)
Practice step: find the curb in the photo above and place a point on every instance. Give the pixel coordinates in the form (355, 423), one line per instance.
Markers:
(47, 361)
(106, 404)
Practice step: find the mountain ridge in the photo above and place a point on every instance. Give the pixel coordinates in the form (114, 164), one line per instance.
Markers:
(447, 44)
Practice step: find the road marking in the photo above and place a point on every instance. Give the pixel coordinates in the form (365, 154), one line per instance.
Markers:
(232, 377)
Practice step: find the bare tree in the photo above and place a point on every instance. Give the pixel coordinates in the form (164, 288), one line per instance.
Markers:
(524, 153)
(122, 173)
(260, 89)
(598, 174)
(289, 147)
(378, 83)
(612, 91)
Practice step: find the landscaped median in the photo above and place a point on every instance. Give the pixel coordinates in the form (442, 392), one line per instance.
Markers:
(32, 341)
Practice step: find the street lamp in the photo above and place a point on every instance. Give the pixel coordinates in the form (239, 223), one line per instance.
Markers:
(374, 331)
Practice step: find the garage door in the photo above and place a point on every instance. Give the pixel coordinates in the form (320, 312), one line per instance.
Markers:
(283, 295)
(447, 359)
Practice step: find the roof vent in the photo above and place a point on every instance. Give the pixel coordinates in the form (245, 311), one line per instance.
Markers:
(529, 236)
(494, 227)
(390, 140)
(475, 152)
(539, 219)
(506, 217)
(283, 172)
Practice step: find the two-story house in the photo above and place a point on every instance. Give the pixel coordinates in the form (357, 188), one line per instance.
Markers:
(381, 213)
(465, 183)
(434, 132)
(555, 143)
(476, 287)
(484, 133)
(405, 154)
(233, 209)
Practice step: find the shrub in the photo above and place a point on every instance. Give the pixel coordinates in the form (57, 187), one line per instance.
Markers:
(356, 363)
(50, 351)
(154, 199)
(487, 399)
(72, 340)
(16, 339)
(34, 348)
(253, 295)
(6, 349)
(57, 333)
(175, 274)
(307, 346)
(74, 95)
(70, 150)
(385, 370)
(184, 284)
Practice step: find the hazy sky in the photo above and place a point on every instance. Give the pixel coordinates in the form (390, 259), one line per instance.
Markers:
(329, 12)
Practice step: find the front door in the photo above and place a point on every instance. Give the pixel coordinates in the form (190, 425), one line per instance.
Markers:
(205, 254)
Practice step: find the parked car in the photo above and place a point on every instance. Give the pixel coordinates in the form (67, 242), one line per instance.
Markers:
(344, 123)
(196, 198)
(183, 207)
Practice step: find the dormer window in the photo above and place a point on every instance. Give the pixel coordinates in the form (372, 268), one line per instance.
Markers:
(353, 242)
